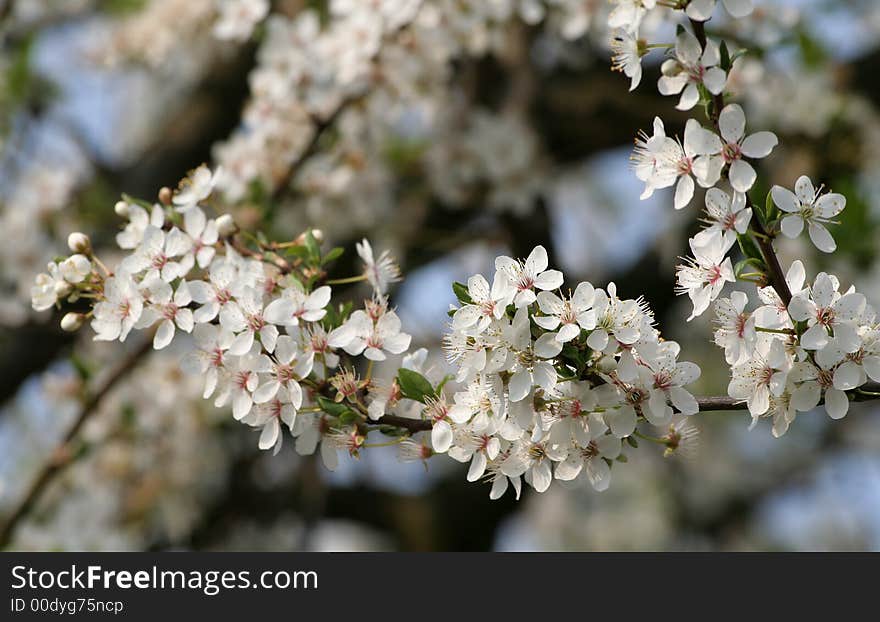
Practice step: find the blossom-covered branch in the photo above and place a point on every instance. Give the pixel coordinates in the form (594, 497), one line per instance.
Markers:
(549, 379)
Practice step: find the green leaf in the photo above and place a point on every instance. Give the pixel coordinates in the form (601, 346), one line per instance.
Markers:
(749, 248)
(771, 212)
(443, 382)
(393, 430)
(313, 247)
(746, 266)
(332, 408)
(725, 56)
(461, 292)
(414, 385)
(300, 252)
(332, 255)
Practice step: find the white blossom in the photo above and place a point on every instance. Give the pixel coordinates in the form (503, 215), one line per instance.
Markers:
(805, 206)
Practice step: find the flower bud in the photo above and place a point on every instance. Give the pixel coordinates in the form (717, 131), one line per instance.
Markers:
(79, 243)
(318, 235)
(121, 208)
(72, 322)
(63, 289)
(165, 195)
(226, 225)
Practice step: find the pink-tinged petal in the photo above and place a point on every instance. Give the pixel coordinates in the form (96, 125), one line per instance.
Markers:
(732, 122)
(759, 144)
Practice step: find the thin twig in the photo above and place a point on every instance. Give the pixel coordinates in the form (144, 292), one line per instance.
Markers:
(62, 455)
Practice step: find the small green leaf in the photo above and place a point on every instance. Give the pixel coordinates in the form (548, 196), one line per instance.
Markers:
(748, 266)
(725, 56)
(461, 292)
(414, 385)
(748, 247)
(771, 212)
(300, 252)
(332, 408)
(313, 247)
(332, 255)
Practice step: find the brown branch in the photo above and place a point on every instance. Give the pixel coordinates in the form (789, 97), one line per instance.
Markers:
(777, 275)
(63, 455)
(765, 242)
(321, 126)
(411, 425)
(717, 100)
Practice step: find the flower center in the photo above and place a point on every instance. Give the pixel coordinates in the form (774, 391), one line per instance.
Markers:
(731, 152)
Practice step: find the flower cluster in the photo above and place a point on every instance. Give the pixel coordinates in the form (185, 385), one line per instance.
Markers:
(553, 383)
(267, 338)
(820, 348)
(805, 344)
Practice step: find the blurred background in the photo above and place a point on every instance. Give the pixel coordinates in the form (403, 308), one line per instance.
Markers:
(452, 131)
